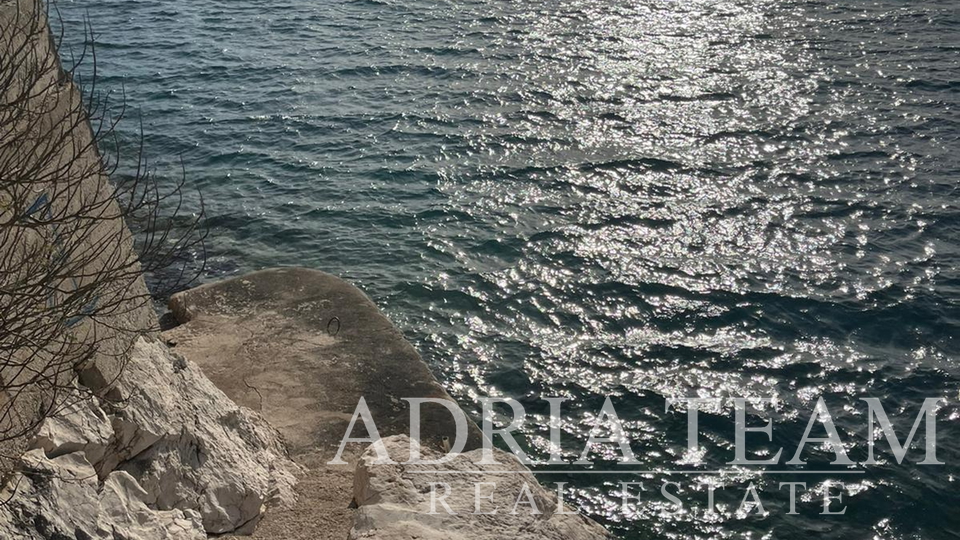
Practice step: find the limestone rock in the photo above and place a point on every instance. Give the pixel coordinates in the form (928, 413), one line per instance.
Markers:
(82, 426)
(395, 500)
(190, 446)
(173, 458)
(61, 498)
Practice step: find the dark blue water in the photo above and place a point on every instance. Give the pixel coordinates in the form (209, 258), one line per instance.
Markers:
(590, 198)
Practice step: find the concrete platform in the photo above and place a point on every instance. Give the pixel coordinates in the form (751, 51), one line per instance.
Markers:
(302, 346)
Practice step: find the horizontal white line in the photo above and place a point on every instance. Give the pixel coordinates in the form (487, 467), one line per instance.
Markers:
(635, 472)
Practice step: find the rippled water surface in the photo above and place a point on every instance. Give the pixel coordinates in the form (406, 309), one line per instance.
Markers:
(641, 199)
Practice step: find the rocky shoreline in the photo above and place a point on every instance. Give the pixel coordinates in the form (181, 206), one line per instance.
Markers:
(172, 455)
(226, 422)
(302, 347)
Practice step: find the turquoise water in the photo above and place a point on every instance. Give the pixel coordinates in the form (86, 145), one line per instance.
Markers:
(591, 198)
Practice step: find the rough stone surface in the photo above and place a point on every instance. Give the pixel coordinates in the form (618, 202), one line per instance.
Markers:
(82, 426)
(62, 498)
(172, 457)
(395, 500)
(302, 346)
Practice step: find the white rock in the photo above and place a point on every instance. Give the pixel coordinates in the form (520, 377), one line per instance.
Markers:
(81, 427)
(395, 500)
(191, 447)
(62, 498)
(175, 459)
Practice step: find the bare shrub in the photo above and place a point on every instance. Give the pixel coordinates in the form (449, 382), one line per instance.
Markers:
(72, 295)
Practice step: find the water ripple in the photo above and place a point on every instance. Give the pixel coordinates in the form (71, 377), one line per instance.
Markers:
(589, 198)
